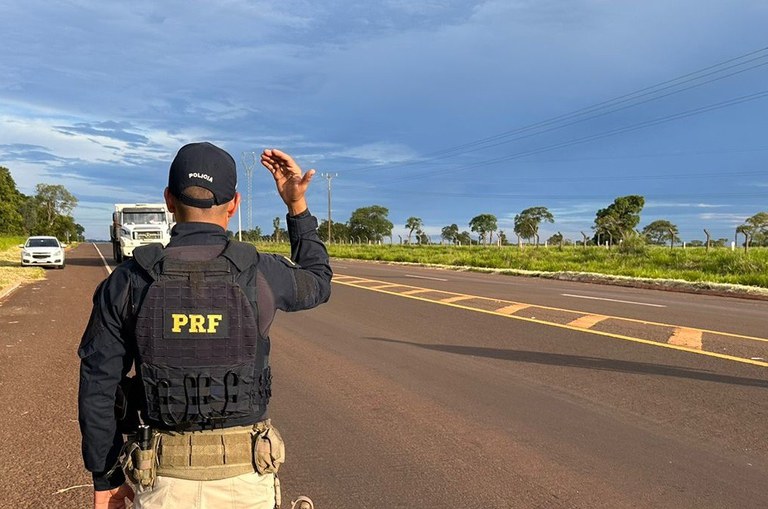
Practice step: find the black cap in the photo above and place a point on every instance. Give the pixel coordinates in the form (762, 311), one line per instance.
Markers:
(203, 165)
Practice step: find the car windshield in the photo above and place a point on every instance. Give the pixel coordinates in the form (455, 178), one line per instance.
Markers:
(42, 243)
(144, 217)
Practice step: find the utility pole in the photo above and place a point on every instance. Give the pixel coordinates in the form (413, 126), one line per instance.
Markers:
(249, 162)
(329, 177)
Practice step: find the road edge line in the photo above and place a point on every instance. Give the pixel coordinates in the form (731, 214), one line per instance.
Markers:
(106, 265)
(5, 293)
(648, 342)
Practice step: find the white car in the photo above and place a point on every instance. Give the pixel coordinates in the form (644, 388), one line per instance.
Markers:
(40, 250)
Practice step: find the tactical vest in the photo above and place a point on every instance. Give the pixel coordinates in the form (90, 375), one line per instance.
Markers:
(200, 356)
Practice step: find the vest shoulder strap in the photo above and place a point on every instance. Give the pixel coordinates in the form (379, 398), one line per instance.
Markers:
(241, 254)
(148, 257)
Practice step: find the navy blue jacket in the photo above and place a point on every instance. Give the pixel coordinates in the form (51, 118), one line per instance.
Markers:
(108, 345)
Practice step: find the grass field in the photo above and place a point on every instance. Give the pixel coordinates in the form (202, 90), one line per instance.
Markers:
(11, 271)
(719, 265)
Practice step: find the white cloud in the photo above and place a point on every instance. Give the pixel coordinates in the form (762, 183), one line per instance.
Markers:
(652, 205)
(729, 218)
(379, 153)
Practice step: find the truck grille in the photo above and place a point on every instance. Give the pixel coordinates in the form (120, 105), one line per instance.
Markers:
(147, 235)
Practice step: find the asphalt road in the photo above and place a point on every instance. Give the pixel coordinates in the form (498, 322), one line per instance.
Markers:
(426, 388)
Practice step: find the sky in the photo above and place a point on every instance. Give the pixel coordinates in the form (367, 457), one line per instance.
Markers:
(441, 110)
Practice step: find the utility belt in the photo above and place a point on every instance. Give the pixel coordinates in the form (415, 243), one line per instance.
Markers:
(203, 455)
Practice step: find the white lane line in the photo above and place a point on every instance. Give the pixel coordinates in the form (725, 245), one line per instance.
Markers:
(106, 265)
(425, 277)
(613, 300)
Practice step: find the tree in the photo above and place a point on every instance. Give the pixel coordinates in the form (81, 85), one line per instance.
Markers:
(464, 239)
(277, 230)
(555, 240)
(339, 231)
(502, 238)
(49, 212)
(527, 222)
(252, 235)
(482, 224)
(422, 236)
(754, 228)
(11, 202)
(450, 233)
(370, 223)
(619, 218)
(52, 200)
(413, 223)
(660, 232)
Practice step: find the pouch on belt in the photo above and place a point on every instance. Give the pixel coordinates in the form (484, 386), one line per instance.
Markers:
(268, 449)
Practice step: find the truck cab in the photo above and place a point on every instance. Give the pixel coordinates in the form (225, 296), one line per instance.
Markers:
(138, 224)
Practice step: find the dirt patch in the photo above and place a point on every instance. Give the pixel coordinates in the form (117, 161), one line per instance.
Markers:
(12, 274)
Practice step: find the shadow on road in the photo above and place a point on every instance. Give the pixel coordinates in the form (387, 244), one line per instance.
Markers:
(580, 361)
(85, 262)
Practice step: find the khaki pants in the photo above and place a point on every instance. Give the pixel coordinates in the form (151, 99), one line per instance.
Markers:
(247, 491)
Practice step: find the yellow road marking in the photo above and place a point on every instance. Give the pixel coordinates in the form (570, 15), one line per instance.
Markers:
(683, 336)
(462, 296)
(451, 301)
(388, 285)
(457, 298)
(587, 321)
(412, 292)
(511, 310)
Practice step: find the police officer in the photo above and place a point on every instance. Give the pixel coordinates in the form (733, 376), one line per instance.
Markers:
(193, 321)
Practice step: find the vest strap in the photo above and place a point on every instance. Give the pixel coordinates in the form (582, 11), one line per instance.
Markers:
(209, 454)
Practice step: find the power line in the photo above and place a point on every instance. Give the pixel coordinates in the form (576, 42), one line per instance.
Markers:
(580, 196)
(585, 139)
(557, 121)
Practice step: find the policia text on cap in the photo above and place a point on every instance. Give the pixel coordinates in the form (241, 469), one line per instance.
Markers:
(192, 320)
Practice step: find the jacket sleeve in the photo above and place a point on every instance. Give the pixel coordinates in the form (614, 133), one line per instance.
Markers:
(103, 362)
(304, 281)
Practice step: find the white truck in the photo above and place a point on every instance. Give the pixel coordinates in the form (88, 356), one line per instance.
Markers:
(137, 224)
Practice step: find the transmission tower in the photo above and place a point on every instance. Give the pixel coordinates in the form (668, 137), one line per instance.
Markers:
(249, 163)
(329, 177)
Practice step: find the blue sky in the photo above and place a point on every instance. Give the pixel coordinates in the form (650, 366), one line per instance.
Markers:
(396, 97)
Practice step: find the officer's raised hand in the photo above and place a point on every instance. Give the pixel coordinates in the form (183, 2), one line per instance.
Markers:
(291, 184)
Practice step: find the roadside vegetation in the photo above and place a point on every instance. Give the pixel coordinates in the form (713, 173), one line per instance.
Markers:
(11, 271)
(717, 265)
(48, 212)
(615, 247)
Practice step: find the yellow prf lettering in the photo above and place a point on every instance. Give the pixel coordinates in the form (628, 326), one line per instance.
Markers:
(213, 322)
(179, 320)
(196, 323)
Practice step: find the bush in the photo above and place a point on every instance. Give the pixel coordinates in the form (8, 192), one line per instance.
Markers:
(633, 244)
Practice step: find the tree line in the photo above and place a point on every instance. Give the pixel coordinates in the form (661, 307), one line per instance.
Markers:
(48, 212)
(615, 224)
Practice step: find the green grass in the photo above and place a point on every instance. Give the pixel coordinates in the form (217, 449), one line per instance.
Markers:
(11, 271)
(719, 265)
(9, 242)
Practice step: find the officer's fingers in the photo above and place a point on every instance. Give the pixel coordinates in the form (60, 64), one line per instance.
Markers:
(272, 168)
(279, 154)
(307, 178)
(267, 162)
